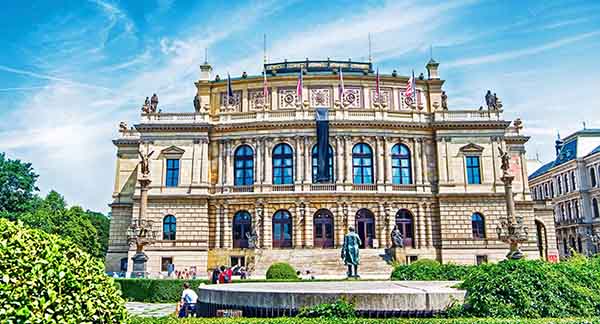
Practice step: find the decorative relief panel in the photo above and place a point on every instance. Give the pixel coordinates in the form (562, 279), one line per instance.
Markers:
(407, 102)
(386, 96)
(352, 97)
(235, 102)
(320, 97)
(287, 98)
(256, 99)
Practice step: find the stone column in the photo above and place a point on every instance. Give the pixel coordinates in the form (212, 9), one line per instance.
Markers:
(422, 150)
(338, 160)
(416, 168)
(428, 224)
(218, 226)
(220, 164)
(144, 183)
(381, 226)
(338, 225)
(258, 161)
(229, 165)
(299, 174)
(307, 160)
(204, 163)
(387, 161)
(308, 226)
(379, 159)
(268, 176)
(421, 225)
(348, 159)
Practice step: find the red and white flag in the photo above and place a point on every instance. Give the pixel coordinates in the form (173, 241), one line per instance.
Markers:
(341, 85)
(411, 86)
(299, 87)
(377, 86)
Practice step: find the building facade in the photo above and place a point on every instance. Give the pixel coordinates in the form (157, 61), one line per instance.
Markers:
(240, 169)
(569, 187)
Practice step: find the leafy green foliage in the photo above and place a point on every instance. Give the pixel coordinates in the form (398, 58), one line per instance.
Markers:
(48, 279)
(17, 186)
(281, 270)
(295, 320)
(533, 289)
(155, 290)
(427, 269)
(340, 309)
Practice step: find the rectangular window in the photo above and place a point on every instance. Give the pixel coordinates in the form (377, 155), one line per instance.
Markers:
(164, 264)
(480, 259)
(172, 173)
(473, 170)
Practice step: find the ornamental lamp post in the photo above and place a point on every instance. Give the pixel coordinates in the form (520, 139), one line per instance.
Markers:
(512, 229)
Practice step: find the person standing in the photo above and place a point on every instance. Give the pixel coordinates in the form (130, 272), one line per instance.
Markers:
(350, 252)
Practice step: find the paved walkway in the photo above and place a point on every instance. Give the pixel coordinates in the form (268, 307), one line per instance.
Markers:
(149, 309)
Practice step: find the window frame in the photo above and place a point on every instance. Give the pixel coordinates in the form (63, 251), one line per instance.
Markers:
(478, 226)
(247, 161)
(315, 163)
(284, 157)
(171, 233)
(359, 154)
(469, 168)
(397, 154)
(172, 173)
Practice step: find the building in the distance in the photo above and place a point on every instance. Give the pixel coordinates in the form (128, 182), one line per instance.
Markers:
(241, 167)
(569, 188)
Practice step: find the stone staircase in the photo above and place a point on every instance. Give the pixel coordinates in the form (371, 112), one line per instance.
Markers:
(325, 263)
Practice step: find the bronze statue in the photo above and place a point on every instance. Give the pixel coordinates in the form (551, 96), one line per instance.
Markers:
(397, 239)
(146, 106)
(444, 101)
(154, 103)
(350, 252)
(490, 101)
(505, 160)
(122, 126)
(144, 163)
(197, 103)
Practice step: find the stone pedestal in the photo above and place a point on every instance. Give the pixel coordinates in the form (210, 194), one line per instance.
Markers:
(139, 264)
(399, 254)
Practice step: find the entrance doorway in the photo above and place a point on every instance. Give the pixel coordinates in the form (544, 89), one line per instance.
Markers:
(542, 240)
(323, 229)
(282, 229)
(404, 221)
(365, 227)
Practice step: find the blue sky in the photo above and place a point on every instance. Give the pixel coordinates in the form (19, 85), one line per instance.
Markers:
(71, 70)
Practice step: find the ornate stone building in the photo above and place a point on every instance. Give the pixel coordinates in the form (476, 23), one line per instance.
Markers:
(568, 188)
(240, 170)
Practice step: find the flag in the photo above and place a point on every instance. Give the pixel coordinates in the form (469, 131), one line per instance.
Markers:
(341, 85)
(299, 87)
(411, 90)
(377, 86)
(229, 89)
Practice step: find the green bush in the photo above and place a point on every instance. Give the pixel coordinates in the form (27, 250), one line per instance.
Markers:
(281, 270)
(533, 289)
(427, 269)
(295, 320)
(155, 290)
(340, 309)
(48, 279)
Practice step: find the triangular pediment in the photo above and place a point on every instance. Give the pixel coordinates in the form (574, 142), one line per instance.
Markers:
(471, 148)
(172, 150)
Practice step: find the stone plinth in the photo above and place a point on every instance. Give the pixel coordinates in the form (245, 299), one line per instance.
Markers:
(399, 296)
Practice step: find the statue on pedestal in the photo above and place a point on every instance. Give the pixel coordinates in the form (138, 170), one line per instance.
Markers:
(145, 163)
(153, 103)
(505, 160)
(146, 106)
(397, 239)
(444, 101)
(350, 252)
(197, 103)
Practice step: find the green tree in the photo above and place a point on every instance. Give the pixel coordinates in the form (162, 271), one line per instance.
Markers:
(17, 186)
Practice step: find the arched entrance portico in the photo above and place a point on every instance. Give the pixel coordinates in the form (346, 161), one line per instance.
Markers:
(323, 229)
(365, 227)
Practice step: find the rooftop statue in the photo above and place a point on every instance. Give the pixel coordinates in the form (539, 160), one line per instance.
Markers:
(197, 103)
(145, 163)
(444, 101)
(153, 103)
(350, 252)
(146, 106)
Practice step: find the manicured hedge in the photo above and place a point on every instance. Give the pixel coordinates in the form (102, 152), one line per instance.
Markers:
(45, 279)
(155, 290)
(282, 320)
(426, 269)
(281, 270)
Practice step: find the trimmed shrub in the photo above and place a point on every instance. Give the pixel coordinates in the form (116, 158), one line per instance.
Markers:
(340, 309)
(295, 320)
(48, 279)
(155, 290)
(281, 270)
(427, 269)
(532, 289)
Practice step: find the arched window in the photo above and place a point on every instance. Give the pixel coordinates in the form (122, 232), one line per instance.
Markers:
(401, 173)
(169, 227)
(362, 164)
(282, 229)
(593, 176)
(315, 164)
(552, 189)
(559, 185)
(478, 226)
(365, 227)
(404, 221)
(566, 176)
(595, 209)
(573, 182)
(242, 228)
(546, 190)
(244, 166)
(283, 164)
